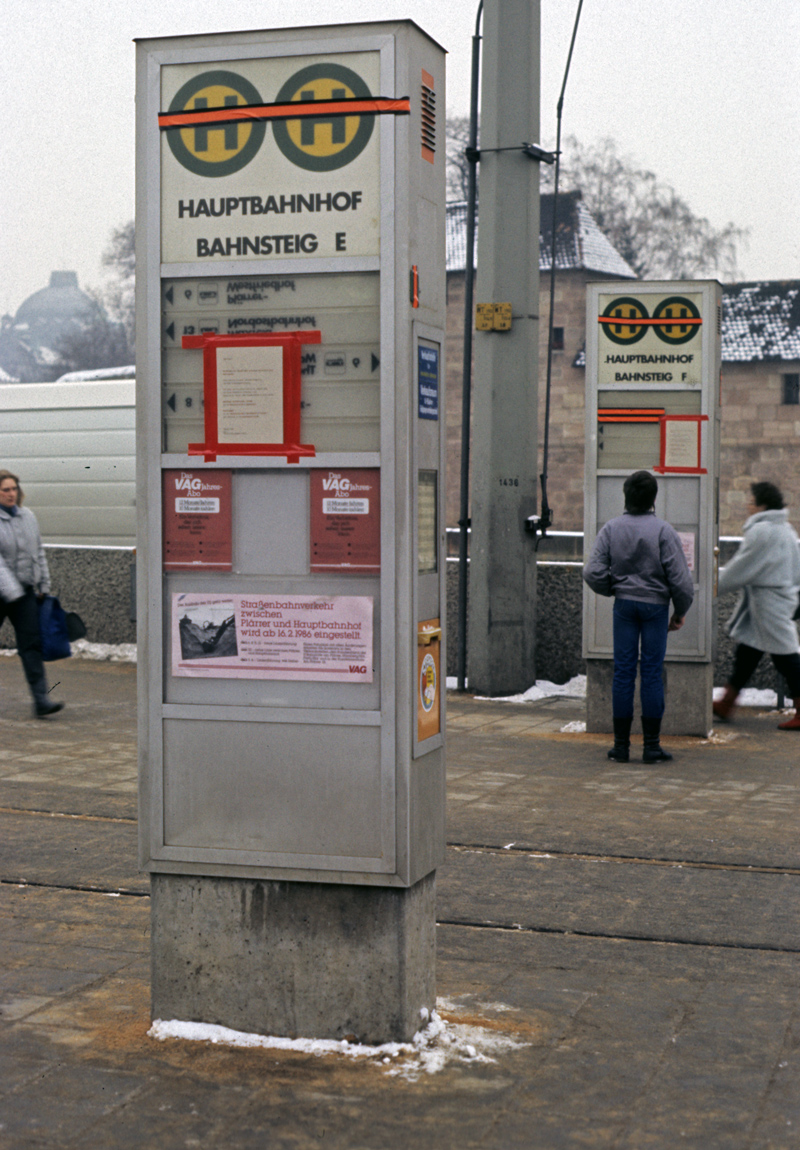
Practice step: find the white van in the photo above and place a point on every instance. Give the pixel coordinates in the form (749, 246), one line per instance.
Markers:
(73, 445)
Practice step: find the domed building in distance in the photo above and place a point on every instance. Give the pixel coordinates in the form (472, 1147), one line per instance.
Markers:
(57, 329)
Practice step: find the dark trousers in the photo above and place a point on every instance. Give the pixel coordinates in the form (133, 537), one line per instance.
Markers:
(747, 659)
(638, 625)
(24, 617)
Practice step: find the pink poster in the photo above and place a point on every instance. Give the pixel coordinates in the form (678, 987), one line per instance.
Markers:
(298, 637)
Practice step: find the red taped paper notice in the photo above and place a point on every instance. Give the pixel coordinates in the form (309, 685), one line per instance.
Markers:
(250, 394)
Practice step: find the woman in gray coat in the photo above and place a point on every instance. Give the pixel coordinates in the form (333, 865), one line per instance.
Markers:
(24, 579)
(766, 572)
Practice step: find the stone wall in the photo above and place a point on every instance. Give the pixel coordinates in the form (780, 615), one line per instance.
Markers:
(759, 439)
(559, 620)
(95, 582)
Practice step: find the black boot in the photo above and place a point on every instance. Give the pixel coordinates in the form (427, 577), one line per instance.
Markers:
(653, 751)
(620, 752)
(44, 707)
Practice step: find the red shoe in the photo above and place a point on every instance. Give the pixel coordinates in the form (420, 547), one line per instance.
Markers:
(725, 708)
(793, 724)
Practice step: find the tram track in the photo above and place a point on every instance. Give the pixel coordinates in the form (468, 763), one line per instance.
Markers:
(502, 850)
(487, 886)
(637, 860)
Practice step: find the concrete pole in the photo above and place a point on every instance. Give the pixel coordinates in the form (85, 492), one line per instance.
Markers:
(502, 595)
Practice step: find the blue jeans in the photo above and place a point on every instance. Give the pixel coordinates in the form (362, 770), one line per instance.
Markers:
(635, 622)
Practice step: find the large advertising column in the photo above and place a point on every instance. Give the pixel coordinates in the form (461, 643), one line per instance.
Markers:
(652, 403)
(290, 320)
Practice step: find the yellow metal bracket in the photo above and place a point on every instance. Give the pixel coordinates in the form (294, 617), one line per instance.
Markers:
(493, 317)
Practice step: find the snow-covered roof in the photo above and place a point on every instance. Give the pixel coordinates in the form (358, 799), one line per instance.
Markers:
(761, 321)
(99, 373)
(579, 242)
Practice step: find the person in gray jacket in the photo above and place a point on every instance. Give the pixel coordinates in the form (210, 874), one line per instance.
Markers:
(638, 559)
(24, 579)
(766, 572)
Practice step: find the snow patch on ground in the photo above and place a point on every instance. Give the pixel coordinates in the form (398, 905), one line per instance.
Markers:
(105, 652)
(750, 697)
(450, 1007)
(718, 738)
(102, 652)
(576, 689)
(543, 689)
(436, 1045)
(576, 727)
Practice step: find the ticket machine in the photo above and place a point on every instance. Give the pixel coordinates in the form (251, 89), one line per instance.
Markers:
(290, 411)
(652, 402)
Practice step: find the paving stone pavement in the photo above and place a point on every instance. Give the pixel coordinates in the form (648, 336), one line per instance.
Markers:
(633, 929)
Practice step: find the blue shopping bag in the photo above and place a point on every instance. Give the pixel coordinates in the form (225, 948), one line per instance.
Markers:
(53, 630)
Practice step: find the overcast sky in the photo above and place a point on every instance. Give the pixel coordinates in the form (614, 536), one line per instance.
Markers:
(702, 92)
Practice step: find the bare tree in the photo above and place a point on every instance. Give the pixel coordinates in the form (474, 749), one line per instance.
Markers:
(93, 342)
(456, 141)
(119, 294)
(645, 219)
(105, 336)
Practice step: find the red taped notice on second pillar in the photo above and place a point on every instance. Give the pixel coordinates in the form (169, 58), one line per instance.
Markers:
(346, 520)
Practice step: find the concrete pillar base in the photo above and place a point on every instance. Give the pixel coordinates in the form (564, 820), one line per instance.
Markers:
(688, 688)
(311, 960)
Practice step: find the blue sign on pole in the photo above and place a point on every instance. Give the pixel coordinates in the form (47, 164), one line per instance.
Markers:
(428, 382)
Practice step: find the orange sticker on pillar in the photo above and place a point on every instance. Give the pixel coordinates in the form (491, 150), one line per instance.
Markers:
(429, 642)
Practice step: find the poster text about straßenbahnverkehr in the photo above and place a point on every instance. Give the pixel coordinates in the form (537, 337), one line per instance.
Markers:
(255, 636)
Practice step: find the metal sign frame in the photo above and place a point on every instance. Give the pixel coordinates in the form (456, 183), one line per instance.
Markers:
(290, 446)
(694, 644)
(394, 862)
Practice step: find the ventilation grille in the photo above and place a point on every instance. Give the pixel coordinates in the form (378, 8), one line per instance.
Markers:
(428, 117)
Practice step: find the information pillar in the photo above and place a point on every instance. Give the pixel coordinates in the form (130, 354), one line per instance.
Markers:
(652, 403)
(290, 423)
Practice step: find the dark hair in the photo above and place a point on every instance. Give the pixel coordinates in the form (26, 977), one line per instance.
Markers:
(20, 496)
(640, 490)
(767, 495)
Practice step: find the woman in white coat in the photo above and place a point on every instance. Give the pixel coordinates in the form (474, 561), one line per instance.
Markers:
(24, 580)
(766, 572)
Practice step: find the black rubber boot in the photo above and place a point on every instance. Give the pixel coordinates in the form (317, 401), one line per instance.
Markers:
(44, 707)
(620, 752)
(653, 752)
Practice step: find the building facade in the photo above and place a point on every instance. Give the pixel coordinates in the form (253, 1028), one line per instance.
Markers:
(760, 384)
(582, 254)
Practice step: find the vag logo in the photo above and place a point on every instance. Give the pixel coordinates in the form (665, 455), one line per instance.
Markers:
(341, 485)
(337, 484)
(205, 149)
(188, 483)
(323, 143)
(320, 143)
